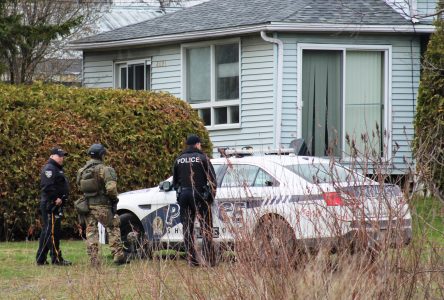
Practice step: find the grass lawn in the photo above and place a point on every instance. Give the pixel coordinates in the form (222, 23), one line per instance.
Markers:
(428, 217)
(21, 278)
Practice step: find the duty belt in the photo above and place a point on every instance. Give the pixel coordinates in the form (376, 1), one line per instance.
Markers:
(196, 188)
(99, 200)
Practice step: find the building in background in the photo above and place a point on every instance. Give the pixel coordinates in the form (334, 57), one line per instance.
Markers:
(262, 73)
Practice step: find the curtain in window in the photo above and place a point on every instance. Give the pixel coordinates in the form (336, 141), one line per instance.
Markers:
(321, 96)
(198, 75)
(364, 99)
(227, 71)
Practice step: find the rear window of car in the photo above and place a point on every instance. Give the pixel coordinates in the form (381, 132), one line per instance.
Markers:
(325, 173)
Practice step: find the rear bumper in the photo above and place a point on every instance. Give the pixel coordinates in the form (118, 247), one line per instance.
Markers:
(362, 238)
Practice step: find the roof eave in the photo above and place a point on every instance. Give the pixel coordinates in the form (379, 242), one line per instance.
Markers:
(274, 26)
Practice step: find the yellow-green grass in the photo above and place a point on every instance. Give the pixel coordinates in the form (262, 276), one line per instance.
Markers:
(21, 278)
(428, 219)
(417, 266)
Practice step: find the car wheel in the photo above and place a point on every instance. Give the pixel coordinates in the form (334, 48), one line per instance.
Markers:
(133, 237)
(275, 241)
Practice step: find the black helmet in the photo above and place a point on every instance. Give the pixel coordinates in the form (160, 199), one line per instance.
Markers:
(96, 151)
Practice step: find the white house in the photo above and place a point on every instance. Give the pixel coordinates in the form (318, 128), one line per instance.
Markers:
(264, 72)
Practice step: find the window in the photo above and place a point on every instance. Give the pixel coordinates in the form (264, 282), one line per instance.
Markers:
(325, 173)
(247, 176)
(343, 97)
(217, 171)
(212, 82)
(134, 75)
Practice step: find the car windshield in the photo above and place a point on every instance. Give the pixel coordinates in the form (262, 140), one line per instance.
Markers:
(325, 173)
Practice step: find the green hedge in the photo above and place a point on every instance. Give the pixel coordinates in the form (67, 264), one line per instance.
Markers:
(429, 119)
(143, 132)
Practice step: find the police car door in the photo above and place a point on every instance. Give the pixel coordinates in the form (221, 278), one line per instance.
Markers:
(243, 190)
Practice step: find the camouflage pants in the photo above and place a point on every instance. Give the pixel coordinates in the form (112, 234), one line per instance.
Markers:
(103, 214)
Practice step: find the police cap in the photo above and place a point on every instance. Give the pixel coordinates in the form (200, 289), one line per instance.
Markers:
(96, 150)
(193, 140)
(58, 151)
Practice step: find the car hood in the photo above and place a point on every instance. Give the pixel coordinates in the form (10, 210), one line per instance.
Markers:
(141, 191)
(137, 196)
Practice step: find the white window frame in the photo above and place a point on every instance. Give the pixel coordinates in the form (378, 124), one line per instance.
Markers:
(119, 64)
(387, 50)
(212, 104)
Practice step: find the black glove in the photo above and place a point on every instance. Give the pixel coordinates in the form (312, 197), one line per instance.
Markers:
(114, 206)
(208, 195)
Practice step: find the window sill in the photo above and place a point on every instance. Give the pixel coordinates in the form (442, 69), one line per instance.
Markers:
(223, 127)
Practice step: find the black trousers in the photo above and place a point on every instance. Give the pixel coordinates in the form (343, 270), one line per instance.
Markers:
(190, 204)
(49, 240)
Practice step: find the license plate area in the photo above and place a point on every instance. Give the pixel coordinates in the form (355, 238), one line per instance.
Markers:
(198, 232)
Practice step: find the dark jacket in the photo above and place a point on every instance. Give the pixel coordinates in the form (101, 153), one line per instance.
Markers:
(193, 169)
(53, 183)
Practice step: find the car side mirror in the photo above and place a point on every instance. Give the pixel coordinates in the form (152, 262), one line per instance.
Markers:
(166, 186)
(268, 183)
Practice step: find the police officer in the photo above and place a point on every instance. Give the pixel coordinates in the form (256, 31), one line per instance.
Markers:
(195, 183)
(98, 183)
(54, 193)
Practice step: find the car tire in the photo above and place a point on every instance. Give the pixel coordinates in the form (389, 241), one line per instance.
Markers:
(133, 237)
(275, 242)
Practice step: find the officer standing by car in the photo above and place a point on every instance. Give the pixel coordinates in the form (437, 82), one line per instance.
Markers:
(54, 189)
(195, 183)
(98, 183)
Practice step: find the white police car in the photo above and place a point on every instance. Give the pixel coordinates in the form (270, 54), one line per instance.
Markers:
(317, 202)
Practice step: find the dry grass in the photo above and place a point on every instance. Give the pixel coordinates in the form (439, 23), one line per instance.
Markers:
(415, 271)
(412, 272)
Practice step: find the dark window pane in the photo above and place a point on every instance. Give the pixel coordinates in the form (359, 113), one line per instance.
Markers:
(148, 77)
(131, 77)
(227, 71)
(227, 53)
(228, 88)
(205, 115)
(139, 77)
(220, 115)
(123, 78)
(234, 114)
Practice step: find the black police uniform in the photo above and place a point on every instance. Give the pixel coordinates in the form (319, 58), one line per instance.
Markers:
(53, 184)
(193, 174)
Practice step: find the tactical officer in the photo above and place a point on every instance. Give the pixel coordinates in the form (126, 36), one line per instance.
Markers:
(195, 183)
(54, 193)
(98, 183)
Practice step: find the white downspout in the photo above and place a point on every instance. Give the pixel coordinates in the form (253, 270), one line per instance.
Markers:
(280, 44)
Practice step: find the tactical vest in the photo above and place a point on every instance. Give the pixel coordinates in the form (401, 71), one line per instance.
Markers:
(90, 181)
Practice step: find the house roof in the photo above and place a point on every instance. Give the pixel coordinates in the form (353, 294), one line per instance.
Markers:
(231, 16)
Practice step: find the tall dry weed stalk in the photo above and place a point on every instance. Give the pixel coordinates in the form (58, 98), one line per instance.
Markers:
(270, 263)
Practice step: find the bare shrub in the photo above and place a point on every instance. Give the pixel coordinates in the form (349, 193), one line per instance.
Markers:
(375, 258)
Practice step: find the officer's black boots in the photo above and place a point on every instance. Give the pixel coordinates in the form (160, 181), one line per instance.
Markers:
(60, 261)
(121, 260)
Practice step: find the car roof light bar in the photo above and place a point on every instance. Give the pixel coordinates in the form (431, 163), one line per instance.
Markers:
(249, 151)
(228, 152)
(297, 147)
(280, 151)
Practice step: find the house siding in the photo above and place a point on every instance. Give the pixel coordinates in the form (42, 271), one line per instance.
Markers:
(257, 98)
(257, 86)
(165, 67)
(405, 66)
